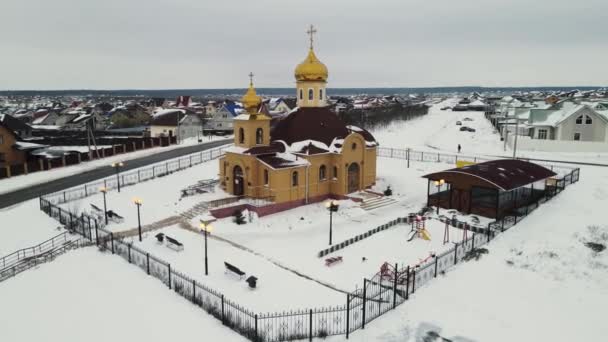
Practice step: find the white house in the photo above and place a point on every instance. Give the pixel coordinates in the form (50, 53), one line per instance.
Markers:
(570, 123)
(169, 122)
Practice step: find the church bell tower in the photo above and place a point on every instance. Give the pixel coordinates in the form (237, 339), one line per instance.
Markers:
(311, 78)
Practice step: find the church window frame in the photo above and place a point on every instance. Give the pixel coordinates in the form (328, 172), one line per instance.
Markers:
(301, 94)
(259, 136)
(311, 94)
(321, 94)
(322, 173)
(335, 172)
(241, 135)
(294, 178)
(266, 177)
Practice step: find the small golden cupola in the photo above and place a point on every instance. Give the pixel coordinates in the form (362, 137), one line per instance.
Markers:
(311, 78)
(251, 101)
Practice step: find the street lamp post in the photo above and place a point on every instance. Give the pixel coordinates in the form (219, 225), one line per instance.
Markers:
(138, 202)
(438, 184)
(117, 167)
(206, 228)
(332, 206)
(104, 190)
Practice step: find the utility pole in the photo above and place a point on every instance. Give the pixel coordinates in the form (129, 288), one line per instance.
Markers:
(515, 142)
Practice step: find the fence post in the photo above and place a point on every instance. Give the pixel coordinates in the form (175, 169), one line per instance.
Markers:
(112, 241)
(413, 280)
(438, 158)
(138, 176)
(148, 263)
(96, 234)
(407, 154)
(455, 253)
(223, 315)
(64, 200)
(347, 314)
(129, 247)
(40, 202)
(86, 193)
(436, 265)
(395, 286)
(310, 326)
(488, 228)
(169, 266)
(194, 298)
(391, 152)
(153, 168)
(473, 241)
(407, 284)
(256, 326)
(364, 302)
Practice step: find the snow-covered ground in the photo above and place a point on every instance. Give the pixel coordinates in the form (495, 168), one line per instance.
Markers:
(89, 296)
(539, 282)
(161, 197)
(24, 225)
(23, 181)
(437, 132)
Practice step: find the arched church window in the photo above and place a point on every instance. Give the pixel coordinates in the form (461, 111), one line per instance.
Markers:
(301, 94)
(320, 94)
(241, 135)
(265, 177)
(311, 94)
(322, 172)
(294, 178)
(259, 136)
(335, 172)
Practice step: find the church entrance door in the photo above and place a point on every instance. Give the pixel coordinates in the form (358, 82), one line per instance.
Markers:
(238, 186)
(353, 177)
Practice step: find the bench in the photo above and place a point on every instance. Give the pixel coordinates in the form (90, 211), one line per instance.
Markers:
(332, 261)
(234, 270)
(173, 244)
(114, 217)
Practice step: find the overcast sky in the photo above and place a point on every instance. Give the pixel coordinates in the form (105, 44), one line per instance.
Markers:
(160, 44)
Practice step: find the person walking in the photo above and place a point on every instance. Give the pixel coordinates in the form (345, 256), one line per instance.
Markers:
(459, 147)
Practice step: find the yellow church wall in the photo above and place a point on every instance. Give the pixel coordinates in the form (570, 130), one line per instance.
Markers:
(250, 128)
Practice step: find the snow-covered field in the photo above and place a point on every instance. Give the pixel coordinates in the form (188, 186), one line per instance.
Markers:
(23, 181)
(89, 296)
(539, 282)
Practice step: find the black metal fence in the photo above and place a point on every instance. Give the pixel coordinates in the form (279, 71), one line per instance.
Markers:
(136, 176)
(379, 294)
(420, 156)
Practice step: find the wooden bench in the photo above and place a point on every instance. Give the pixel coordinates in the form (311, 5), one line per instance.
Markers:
(234, 270)
(173, 244)
(332, 261)
(114, 217)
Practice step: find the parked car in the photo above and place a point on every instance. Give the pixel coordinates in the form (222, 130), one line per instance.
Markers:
(458, 123)
(467, 129)
(446, 108)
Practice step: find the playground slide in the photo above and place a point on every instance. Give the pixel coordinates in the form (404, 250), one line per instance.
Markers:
(411, 235)
(425, 234)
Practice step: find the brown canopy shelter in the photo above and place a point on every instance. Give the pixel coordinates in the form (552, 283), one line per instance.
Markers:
(492, 189)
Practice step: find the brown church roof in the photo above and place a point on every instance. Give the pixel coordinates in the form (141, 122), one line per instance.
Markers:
(318, 124)
(502, 174)
(274, 147)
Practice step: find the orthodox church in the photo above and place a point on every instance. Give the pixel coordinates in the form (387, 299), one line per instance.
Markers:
(308, 155)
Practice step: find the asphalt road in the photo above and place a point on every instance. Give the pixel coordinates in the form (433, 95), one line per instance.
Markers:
(38, 190)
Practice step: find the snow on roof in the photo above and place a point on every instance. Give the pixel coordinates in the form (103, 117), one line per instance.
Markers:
(477, 103)
(40, 119)
(161, 112)
(299, 145)
(47, 127)
(21, 145)
(549, 117)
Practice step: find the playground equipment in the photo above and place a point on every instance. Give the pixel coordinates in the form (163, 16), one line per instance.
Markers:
(419, 229)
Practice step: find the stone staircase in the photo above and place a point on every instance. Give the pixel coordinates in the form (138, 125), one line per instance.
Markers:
(376, 202)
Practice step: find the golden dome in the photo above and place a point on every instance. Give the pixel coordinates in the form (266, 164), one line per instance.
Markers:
(251, 101)
(311, 69)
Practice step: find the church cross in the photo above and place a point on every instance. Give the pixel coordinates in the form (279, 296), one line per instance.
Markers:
(311, 33)
(251, 78)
